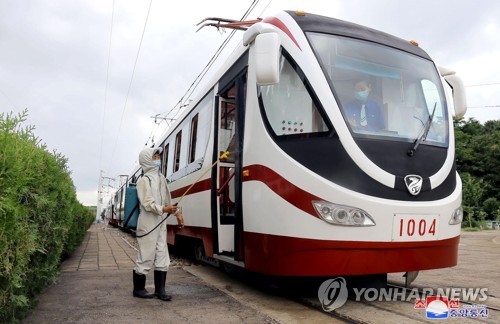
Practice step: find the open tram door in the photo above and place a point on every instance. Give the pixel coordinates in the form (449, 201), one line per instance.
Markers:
(226, 202)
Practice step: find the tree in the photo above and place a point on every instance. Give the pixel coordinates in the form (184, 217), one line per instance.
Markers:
(490, 207)
(473, 190)
(477, 161)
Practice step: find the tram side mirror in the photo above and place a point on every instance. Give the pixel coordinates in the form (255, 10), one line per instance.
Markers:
(267, 58)
(459, 99)
(458, 90)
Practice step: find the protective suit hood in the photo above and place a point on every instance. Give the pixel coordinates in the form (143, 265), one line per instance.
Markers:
(146, 159)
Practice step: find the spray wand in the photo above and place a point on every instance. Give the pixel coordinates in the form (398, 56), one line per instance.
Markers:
(223, 156)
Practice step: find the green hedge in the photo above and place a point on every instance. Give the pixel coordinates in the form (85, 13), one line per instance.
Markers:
(41, 219)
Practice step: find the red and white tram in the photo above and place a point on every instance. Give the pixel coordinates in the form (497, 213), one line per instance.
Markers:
(308, 190)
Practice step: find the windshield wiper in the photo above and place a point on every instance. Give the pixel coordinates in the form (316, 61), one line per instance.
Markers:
(422, 137)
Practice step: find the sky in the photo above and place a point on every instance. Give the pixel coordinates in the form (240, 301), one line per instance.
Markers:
(92, 76)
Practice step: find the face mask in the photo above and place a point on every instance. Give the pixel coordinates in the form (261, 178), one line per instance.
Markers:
(157, 163)
(362, 95)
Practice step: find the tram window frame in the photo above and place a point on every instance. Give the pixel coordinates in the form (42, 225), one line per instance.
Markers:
(227, 124)
(193, 138)
(314, 100)
(189, 158)
(184, 154)
(164, 164)
(177, 152)
(205, 111)
(122, 202)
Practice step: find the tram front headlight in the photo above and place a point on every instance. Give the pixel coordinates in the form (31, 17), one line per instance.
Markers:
(457, 216)
(358, 217)
(342, 214)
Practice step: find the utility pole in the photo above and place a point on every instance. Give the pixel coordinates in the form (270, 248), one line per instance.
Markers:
(99, 197)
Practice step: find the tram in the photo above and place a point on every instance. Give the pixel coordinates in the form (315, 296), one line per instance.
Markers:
(312, 185)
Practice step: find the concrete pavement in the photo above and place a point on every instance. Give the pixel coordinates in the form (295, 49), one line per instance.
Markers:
(95, 286)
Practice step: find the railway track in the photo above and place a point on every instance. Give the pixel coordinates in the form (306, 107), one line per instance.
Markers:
(368, 310)
(397, 311)
(353, 311)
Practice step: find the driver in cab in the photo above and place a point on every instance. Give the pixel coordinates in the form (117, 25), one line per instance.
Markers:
(364, 112)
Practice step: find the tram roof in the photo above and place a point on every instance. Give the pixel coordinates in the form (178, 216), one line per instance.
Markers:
(321, 24)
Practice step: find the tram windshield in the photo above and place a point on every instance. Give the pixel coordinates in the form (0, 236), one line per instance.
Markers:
(382, 91)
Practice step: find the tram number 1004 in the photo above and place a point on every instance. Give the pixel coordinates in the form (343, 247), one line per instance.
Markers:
(414, 227)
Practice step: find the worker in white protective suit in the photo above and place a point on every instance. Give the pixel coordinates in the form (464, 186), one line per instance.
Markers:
(155, 205)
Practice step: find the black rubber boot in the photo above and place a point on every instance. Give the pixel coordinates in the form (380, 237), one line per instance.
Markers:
(160, 279)
(140, 286)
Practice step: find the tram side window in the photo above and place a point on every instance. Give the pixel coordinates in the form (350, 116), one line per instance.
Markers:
(189, 144)
(184, 152)
(177, 153)
(288, 105)
(194, 131)
(164, 163)
(227, 136)
(204, 125)
(122, 202)
(169, 161)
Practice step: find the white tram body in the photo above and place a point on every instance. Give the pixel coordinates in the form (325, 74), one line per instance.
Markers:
(306, 190)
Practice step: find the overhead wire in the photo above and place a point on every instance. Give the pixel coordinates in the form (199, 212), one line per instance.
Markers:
(489, 106)
(153, 129)
(176, 109)
(100, 188)
(207, 67)
(8, 99)
(130, 83)
(482, 84)
(106, 86)
(191, 88)
(265, 8)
